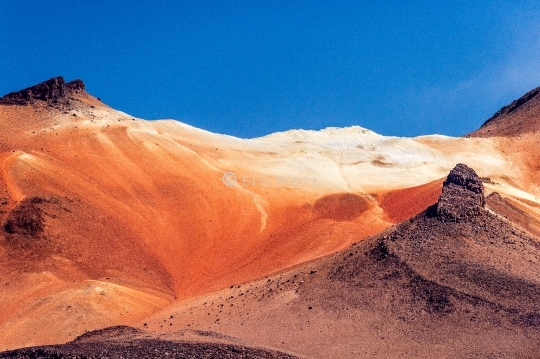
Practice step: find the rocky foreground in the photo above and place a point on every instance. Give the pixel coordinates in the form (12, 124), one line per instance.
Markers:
(126, 342)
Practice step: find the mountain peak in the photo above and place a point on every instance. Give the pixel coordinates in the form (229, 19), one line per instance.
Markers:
(462, 195)
(51, 90)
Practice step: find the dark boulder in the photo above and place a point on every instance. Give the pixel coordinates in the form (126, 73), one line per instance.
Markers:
(462, 195)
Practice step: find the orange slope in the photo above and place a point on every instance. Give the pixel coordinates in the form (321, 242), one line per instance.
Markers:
(127, 203)
(140, 207)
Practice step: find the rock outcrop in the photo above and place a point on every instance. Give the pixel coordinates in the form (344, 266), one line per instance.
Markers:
(53, 90)
(462, 195)
(75, 86)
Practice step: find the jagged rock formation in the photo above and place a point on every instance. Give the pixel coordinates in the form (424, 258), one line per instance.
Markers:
(53, 90)
(462, 195)
(75, 86)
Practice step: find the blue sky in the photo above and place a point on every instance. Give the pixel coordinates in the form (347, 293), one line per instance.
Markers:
(249, 68)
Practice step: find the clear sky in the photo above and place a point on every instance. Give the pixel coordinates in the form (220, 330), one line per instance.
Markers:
(249, 68)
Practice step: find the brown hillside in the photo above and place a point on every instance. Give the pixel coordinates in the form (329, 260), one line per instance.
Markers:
(522, 116)
(454, 281)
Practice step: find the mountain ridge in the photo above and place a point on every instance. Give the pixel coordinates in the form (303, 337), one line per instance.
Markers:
(107, 219)
(520, 117)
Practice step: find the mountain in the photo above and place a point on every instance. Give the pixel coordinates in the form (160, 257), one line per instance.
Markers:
(108, 220)
(515, 128)
(520, 117)
(456, 280)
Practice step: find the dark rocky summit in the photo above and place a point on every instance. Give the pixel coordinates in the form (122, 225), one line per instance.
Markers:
(53, 90)
(75, 86)
(462, 195)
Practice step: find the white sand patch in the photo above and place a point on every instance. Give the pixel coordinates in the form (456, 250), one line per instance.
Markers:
(264, 216)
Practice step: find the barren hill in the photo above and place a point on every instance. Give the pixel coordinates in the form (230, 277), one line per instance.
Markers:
(106, 219)
(457, 280)
(520, 117)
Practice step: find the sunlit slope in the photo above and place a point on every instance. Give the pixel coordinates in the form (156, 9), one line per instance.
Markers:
(89, 193)
(520, 117)
(460, 279)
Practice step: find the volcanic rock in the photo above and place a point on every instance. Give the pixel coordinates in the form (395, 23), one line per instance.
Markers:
(462, 195)
(76, 86)
(51, 90)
